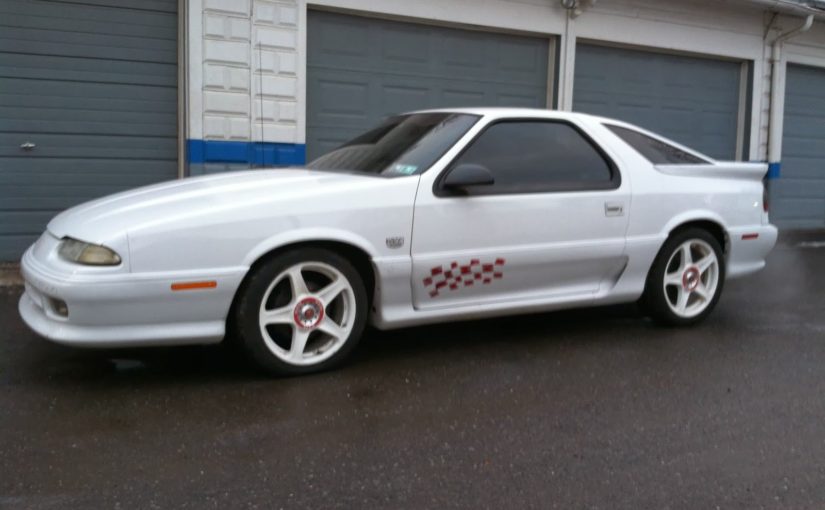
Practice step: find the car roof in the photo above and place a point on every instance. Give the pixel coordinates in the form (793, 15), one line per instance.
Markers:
(501, 111)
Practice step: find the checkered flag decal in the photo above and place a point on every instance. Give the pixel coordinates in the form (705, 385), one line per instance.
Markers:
(458, 276)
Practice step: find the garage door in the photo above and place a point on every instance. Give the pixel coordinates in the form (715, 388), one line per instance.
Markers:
(694, 101)
(359, 70)
(798, 196)
(88, 106)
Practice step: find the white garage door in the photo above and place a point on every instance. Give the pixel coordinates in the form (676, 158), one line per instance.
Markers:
(360, 70)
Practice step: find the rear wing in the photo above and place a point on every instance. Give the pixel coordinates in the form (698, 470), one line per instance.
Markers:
(720, 169)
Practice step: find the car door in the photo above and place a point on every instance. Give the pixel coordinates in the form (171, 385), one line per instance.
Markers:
(551, 226)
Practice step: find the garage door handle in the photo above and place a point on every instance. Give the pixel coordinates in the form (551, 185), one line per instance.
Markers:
(27, 146)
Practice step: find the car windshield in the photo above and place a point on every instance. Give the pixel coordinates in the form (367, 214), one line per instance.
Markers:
(402, 145)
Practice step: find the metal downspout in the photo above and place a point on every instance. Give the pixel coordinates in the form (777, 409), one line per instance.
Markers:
(777, 97)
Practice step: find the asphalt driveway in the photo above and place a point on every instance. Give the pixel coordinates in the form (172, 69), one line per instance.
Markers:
(581, 409)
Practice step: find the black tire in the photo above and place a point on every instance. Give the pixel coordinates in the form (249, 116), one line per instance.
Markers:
(654, 300)
(245, 319)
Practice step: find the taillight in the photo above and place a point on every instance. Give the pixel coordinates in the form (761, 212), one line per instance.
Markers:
(764, 196)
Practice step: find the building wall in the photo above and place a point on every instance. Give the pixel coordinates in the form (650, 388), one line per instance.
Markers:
(245, 86)
(247, 59)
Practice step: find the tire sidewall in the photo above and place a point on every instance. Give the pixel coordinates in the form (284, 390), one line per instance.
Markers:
(246, 319)
(655, 299)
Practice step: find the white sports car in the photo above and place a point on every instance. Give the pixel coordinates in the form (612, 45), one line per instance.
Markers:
(433, 216)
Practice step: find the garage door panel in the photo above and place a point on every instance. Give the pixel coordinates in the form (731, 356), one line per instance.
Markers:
(400, 98)
(12, 246)
(20, 116)
(85, 103)
(342, 98)
(527, 100)
(797, 212)
(405, 48)
(94, 88)
(328, 35)
(102, 21)
(71, 47)
(692, 100)
(16, 65)
(95, 128)
(798, 196)
(101, 91)
(85, 169)
(54, 145)
(517, 57)
(461, 98)
(377, 68)
(14, 223)
(465, 50)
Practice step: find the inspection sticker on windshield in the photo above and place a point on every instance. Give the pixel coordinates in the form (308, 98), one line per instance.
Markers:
(404, 169)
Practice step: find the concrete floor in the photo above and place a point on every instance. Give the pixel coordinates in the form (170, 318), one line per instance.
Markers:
(581, 409)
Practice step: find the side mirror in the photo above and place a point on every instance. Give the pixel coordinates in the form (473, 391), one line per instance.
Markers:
(468, 174)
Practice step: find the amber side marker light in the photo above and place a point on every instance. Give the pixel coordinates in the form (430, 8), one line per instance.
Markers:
(211, 284)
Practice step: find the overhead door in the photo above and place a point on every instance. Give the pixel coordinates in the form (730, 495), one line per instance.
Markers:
(360, 70)
(694, 101)
(88, 106)
(798, 196)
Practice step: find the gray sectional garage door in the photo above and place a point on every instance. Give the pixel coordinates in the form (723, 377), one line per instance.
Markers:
(798, 196)
(92, 85)
(360, 70)
(694, 101)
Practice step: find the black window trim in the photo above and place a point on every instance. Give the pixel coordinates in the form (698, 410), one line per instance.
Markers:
(615, 174)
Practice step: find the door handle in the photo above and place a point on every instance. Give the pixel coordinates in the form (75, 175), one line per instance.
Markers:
(613, 209)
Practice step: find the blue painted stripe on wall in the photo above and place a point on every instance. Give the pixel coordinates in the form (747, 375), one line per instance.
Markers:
(774, 169)
(253, 153)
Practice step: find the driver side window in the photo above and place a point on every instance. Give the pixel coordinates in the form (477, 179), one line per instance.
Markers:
(529, 156)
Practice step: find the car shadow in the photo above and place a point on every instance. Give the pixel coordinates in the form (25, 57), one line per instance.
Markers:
(402, 349)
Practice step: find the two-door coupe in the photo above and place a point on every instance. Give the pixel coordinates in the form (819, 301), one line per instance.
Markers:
(432, 216)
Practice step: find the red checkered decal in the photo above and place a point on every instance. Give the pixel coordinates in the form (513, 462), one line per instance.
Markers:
(455, 276)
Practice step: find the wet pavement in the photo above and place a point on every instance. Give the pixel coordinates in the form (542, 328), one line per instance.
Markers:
(581, 409)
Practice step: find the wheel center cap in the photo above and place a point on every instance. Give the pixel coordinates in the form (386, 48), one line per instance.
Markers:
(308, 313)
(691, 278)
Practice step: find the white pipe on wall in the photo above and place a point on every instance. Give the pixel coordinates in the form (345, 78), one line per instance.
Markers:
(778, 95)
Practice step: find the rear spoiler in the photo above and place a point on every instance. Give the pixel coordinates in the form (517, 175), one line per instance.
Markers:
(720, 169)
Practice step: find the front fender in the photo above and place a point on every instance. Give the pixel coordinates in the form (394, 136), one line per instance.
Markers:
(308, 235)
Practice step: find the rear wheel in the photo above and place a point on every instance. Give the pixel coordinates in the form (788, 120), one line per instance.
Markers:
(301, 312)
(686, 279)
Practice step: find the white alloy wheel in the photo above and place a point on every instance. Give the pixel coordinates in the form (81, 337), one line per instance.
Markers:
(307, 313)
(691, 278)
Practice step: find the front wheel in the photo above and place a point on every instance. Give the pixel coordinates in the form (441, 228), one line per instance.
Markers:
(686, 279)
(303, 311)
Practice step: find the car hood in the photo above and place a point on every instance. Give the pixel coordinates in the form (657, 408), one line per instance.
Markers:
(113, 216)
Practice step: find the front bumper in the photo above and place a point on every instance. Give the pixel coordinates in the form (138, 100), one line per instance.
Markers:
(122, 310)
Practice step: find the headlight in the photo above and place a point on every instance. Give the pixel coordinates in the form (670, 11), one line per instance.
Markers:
(85, 253)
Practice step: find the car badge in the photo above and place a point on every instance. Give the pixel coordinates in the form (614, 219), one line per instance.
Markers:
(395, 242)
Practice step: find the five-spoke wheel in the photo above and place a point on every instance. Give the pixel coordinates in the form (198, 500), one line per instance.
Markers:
(303, 311)
(686, 279)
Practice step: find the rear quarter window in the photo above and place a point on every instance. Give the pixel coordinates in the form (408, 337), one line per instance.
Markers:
(655, 151)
